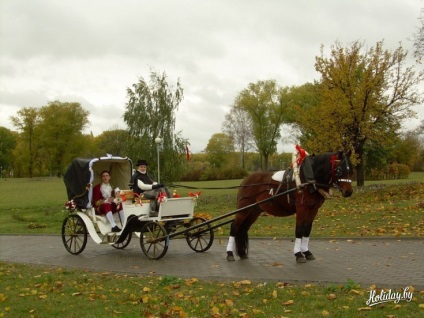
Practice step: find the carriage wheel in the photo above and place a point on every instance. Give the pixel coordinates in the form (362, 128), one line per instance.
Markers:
(123, 244)
(152, 240)
(199, 239)
(74, 234)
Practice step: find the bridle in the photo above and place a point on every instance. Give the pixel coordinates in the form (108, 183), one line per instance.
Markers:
(337, 172)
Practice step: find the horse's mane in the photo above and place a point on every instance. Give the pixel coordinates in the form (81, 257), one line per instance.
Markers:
(322, 166)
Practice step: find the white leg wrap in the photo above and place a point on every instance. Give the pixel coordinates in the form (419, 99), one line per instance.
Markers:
(230, 245)
(305, 244)
(297, 244)
(109, 216)
(122, 217)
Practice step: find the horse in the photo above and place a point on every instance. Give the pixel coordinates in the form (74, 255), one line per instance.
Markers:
(260, 192)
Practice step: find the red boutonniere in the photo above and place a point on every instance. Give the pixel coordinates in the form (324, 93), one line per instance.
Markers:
(162, 197)
(70, 205)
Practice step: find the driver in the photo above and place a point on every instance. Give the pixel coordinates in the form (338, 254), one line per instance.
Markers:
(143, 183)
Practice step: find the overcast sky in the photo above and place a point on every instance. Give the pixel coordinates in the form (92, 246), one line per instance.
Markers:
(91, 51)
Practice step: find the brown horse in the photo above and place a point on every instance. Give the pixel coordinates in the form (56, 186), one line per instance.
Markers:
(329, 170)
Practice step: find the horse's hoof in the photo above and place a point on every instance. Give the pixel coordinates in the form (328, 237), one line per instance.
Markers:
(244, 256)
(309, 256)
(300, 258)
(230, 257)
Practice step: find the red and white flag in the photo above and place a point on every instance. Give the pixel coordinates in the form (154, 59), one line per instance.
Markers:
(187, 152)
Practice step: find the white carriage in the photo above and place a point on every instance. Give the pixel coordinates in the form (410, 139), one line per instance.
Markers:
(174, 217)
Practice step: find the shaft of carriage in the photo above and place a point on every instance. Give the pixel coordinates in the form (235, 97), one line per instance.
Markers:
(207, 222)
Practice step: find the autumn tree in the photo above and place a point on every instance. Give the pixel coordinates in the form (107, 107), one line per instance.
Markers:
(238, 125)
(7, 144)
(61, 139)
(365, 93)
(219, 146)
(150, 113)
(27, 150)
(419, 38)
(302, 100)
(266, 105)
(113, 141)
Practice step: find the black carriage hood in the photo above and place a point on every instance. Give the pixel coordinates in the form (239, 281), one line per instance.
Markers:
(83, 173)
(77, 179)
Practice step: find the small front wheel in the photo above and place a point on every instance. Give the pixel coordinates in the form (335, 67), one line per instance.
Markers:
(201, 238)
(124, 244)
(153, 240)
(74, 234)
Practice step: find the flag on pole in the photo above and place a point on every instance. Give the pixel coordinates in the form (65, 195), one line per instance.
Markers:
(187, 152)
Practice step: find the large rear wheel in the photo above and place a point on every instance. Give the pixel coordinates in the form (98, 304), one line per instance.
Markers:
(201, 238)
(153, 241)
(74, 234)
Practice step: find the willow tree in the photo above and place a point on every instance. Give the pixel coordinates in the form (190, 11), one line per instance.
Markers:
(150, 113)
(266, 105)
(364, 96)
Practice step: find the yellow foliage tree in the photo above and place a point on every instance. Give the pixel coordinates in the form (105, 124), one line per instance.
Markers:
(364, 96)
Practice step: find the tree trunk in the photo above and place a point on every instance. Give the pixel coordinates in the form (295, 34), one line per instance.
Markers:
(360, 172)
(266, 159)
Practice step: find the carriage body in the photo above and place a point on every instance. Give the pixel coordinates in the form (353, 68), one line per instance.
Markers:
(174, 213)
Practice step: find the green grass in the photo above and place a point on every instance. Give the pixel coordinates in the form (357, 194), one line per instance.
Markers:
(390, 208)
(383, 208)
(37, 291)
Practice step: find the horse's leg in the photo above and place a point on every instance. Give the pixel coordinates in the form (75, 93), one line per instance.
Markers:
(297, 250)
(239, 233)
(242, 237)
(230, 245)
(305, 216)
(304, 246)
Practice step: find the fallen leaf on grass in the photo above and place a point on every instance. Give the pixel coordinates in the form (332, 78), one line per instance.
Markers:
(357, 292)
(245, 282)
(288, 302)
(281, 285)
(364, 308)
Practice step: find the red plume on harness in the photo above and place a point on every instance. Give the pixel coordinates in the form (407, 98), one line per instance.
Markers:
(302, 154)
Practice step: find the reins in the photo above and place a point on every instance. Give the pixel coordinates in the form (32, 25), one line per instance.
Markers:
(213, 188)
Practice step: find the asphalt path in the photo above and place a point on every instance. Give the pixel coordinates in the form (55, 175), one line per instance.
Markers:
(385, 262)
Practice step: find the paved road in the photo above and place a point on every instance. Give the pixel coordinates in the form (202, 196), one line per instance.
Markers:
(387, 263)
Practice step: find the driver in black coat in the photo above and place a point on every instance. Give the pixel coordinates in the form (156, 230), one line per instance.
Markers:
(143, 184)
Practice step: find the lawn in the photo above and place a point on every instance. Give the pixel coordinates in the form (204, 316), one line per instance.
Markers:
(36, 291)
(35, 206)
(384, 208)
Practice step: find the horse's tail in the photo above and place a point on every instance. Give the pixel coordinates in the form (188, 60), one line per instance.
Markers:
(242, 239)
(241, 233)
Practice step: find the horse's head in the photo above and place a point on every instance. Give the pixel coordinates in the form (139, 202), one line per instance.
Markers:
(341, 173)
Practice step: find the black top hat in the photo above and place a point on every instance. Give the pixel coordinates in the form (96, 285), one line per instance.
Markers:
(141, 162)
